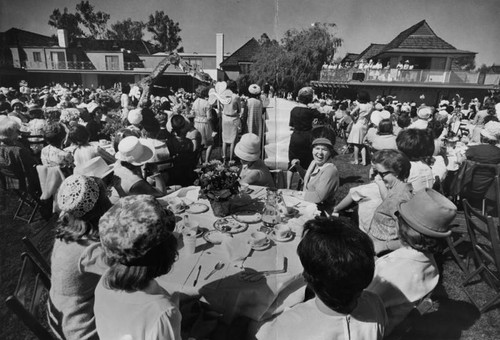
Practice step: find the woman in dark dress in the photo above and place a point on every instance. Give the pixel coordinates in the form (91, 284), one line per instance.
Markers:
(301, 121)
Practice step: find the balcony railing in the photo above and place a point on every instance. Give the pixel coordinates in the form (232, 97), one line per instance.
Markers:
(80, 65)
(409, 76)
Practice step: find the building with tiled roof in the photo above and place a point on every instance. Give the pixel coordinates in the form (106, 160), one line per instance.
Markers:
(240, 61)
(415, 62)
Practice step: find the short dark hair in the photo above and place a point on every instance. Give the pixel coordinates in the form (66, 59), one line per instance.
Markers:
(416, 240)
(338, 261)
(54, 133)
(136, 277)
(233, 86)
(385, 127)
(393, 160)
(404, 120)
(363, 97)
(436, 127)
(78, 135)
(416, 144)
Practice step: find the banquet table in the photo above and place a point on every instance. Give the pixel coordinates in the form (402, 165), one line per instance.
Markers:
(226, 291)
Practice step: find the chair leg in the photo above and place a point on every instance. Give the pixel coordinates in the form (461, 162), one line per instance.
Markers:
(456, 256)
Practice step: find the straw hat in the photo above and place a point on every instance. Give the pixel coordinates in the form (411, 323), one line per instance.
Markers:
(424, 112)
(95, 167)
(78, 195)
(132, 150)
(429, 213)
(248, 148)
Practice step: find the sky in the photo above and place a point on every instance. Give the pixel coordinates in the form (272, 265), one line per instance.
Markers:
(470, 25)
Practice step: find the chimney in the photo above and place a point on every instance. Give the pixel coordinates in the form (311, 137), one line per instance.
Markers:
(62, 37)
(219, 49)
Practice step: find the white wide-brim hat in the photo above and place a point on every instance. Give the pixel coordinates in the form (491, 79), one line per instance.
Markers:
(95, 167)
(248, 148)
(132, 150)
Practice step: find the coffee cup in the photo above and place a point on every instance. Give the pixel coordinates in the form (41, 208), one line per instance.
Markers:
(258, 239)
(282, 231)
(103, 142)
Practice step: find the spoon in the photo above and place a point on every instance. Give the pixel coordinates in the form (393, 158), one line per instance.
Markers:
(217, 267)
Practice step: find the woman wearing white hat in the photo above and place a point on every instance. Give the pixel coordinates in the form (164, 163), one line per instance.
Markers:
(254, 171)
(255, 109)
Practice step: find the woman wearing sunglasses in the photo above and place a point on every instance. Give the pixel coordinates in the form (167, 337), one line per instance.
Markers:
(390, 170)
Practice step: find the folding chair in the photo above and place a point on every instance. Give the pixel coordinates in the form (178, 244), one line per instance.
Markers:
(28, 301)
(36, 256)
(485, 239)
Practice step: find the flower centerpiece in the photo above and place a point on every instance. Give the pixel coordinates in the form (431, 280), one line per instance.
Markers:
(218, 183)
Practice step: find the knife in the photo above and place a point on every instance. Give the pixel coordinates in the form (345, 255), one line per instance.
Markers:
(197, 276)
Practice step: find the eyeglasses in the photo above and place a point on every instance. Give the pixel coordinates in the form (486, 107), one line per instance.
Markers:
(382, 174)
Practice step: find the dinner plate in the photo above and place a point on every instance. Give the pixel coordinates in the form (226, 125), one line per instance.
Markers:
(248, 216)
(230, 225)
(261, 247)
(213, 236)
(281, 239)
(197, 208)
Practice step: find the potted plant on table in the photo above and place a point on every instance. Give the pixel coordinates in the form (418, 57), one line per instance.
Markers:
(218, 183)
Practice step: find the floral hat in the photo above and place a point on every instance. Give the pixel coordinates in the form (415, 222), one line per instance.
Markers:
(254, 89)
(491, 130)
(132, 227)
(78, 195)
(69, 115)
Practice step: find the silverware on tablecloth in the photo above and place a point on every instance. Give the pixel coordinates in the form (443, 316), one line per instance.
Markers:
(217, 267)
(197, 276)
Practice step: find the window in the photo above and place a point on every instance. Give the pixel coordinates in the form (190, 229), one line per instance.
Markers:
(112, 62)
(245, 68)
(37, 57)
(58, 60)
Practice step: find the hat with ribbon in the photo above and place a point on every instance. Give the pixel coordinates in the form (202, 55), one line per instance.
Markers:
(429, 213)
(77, 195)
(132, 150)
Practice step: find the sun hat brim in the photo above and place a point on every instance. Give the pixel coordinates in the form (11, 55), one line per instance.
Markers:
(246, 156)
(146, 153)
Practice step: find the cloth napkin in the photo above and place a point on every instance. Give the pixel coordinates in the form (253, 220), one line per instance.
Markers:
(236, 249)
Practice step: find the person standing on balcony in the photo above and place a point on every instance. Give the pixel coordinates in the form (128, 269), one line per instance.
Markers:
(399, 68)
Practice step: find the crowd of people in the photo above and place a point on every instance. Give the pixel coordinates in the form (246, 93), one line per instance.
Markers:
(113, 238)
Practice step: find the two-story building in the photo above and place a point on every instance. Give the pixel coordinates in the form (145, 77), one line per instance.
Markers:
(41, 59)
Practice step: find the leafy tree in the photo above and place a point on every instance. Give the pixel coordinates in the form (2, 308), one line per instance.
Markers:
(165, 31)
(126, 30)
(463, 63)
(95, 22)
(67, 21)
(298, 59)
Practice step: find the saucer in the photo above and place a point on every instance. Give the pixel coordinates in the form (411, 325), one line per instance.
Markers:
(281, 239)
(230, 225)
(262, 247)
(247, 216)
(213, 236)
(197, 208)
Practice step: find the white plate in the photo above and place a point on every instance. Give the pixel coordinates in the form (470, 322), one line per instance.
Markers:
(262, 247)
(248, 216)
(281, 239)
(213, 236)
(230, 225)
(197, 208)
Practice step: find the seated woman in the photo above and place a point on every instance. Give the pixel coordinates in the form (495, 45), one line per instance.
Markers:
(81, 148)
(138, 246)
(418, 146)
(254, 171)
(321, 180)
(52, 154)
(384, 139)
(82, 201)
(132, 154)
(338, 261)
(405, 276)
(390, 171)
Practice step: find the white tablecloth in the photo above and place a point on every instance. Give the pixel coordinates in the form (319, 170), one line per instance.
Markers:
(224, 290)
